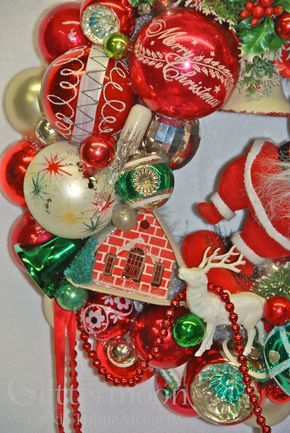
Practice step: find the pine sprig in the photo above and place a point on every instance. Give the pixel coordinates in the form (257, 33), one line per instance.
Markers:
(258, 77)
(276, 282)
(224, 10)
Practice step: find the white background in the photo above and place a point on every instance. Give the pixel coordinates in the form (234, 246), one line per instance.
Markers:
(26, 399)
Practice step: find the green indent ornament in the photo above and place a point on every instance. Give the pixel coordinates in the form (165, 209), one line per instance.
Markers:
(46, 263)
(277, 356)
(146, 182)
(188, 330)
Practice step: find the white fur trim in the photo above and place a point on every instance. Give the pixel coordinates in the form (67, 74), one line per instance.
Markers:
(255, 201)
(222, 207)
(246, 250)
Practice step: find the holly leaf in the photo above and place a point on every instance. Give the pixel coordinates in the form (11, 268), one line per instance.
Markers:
(257, 39)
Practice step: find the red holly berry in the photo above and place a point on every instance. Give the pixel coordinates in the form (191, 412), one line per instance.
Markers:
(244, 14)
(266, 3)
(278, 10)
(258, 11)
(254, 21)
(249, 6)
(269, 11)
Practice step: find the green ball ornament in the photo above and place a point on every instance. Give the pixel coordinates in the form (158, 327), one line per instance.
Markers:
(116, 45)
(146, 182)
(188, 330)
(71, 298)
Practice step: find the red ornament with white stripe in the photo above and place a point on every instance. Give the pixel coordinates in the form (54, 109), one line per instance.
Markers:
(85, 93)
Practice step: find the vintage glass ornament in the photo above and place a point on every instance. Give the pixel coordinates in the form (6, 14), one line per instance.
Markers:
(116, 45)
(275, 393)
(146, 182)
(21, 100)
(71, 298)
(107, 354)
(124, 217)
(215, 389)
(13, 165)
(60, 30)
(106, 317)
(178, 140)
(277, 356)
(188, 330)
(85, 93)
(146, 328)
(184, 65)
(277, 310)
(44, 133)
(97, 151)
(100, 18)
(26, 231)
(60, 198)
(47, 262)
(282, 25)
(175, 399)
(282, 60)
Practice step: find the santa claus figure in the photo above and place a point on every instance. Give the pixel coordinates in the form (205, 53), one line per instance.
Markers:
(258, 181)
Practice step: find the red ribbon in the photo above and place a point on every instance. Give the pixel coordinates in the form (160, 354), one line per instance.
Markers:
(65, 326)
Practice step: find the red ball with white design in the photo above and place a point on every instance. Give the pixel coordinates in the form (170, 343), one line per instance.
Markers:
(85, 93)
(282, 61)
(98, 151)
(106, 317)
(60, 31)
(184, 64)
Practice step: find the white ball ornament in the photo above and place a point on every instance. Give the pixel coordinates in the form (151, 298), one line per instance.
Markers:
(61, 198)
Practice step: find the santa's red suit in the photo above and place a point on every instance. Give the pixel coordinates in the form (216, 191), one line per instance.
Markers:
(266, 230)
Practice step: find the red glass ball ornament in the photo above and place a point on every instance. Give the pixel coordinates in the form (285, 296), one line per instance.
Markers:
(112, 367)
(178, 402)
(13, 165)
(26, 231)
(60, 31)
(85, 93)
(277, 310)
(275, 393)
(146, 329)
(106, 317)
(282, 25)
(184, 64)
(97, 151)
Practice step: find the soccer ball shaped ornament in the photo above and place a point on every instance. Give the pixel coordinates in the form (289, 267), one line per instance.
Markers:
(60, 198)
(184, 64)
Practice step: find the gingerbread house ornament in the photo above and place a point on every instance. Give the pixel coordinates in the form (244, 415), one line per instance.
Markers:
(138, 263)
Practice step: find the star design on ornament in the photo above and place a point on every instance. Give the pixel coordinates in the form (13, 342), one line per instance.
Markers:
(217, 89)
(212, 53)
(103, 208)
(92, 226)
(194, 42)
(152, 43)
(38, 187)
(55, 166)
(68, 216)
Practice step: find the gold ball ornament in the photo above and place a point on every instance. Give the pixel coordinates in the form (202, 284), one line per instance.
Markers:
(61, 198)
(44, 132)
(21, 100)
(124, 217)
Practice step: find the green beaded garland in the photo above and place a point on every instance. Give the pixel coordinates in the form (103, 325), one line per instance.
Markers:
(146, 182)
(116, 45)
(71, 298)
(188, 330)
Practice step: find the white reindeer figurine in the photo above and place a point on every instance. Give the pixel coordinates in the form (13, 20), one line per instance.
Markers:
(211, 309)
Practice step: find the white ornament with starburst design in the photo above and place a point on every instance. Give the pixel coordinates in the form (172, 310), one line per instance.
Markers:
(60, 198)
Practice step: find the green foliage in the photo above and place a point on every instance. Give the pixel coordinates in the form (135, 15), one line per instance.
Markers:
(258, 77)
(225, 10)
(284, 3)
(276, 282)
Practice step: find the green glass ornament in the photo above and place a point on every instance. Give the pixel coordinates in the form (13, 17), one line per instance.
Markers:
(116, 45)
(46, 263)
(71, 298)
(277, 356)
(188, 330)
(146, 182)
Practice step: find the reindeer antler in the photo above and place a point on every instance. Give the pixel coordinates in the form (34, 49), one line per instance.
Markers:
(216, 260)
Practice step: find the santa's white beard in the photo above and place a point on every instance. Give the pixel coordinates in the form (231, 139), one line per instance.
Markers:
(275, 190)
